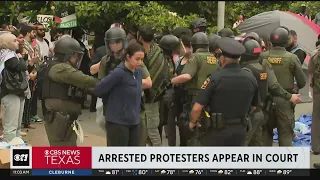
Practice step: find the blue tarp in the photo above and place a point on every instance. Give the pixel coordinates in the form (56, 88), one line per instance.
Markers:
(302, 130)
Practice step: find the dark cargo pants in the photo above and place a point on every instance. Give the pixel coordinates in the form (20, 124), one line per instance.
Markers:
(282, 119)
(254, 136)
(315, 127)
(59, 129)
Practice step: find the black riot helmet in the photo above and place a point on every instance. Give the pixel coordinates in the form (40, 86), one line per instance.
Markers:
(253, 50)
(67, 48)
(199, 40)
(169, 44)
(115, 35)
(157, 37)
(180, 31)
(132, 29)
(280, 37)
(199, 23)
(213, 42)
(226, 32)
(254, 36)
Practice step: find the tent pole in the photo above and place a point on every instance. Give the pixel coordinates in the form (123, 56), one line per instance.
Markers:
(221, 14)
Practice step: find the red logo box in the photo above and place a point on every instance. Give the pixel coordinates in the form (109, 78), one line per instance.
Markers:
(61, 157)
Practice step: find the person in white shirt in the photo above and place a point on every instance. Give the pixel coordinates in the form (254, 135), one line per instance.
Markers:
(45, 45)
(237, 23)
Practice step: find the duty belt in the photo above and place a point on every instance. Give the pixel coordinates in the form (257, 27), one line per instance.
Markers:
(219, 121)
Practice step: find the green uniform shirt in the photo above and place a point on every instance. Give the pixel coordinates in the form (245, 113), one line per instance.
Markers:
(286, 67)
(314, 70)
(273, 85)
(65, 73)
(200, 65)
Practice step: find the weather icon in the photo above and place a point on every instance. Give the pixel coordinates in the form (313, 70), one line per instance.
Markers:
(163, 172)
(249, 172)
(279, 172)
(220, 172)
(191, 171)
(108, 172)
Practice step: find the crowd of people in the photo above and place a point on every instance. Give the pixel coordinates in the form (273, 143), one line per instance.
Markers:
(218, 91)
(19, 109)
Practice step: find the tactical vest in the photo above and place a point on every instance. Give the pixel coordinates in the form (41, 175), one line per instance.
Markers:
(295, 49)
(160, 71)
(261, 77)
(281, 66)
(207, 64)
(52, 89)
(111, 63)
(316, 74)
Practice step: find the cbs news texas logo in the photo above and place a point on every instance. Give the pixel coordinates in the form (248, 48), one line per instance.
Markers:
(21, 158)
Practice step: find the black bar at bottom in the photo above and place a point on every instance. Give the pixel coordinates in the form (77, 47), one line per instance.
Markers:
(5, 172)
(205, 172)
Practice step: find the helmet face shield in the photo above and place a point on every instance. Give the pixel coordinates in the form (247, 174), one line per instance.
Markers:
(114, 45)
(114, 41)
(75, 58)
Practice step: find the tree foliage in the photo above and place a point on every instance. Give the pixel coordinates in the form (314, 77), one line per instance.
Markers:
(99, 15)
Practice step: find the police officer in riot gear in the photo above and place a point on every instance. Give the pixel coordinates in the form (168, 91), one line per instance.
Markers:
(250, 62)
(170, 45)
(286, 67)
(179, 31)
(198, 25)
(213, 45)
(267, 82)
(63, 92)
(115, 42)
(226, 32)
(228, 119)
(201, 64)
(252, 35)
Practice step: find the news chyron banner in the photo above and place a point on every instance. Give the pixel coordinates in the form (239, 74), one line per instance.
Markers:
(102, 161)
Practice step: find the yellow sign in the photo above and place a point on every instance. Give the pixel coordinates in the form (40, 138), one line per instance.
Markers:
(263, 76)
(274, 60)
(211, 60)
(205, 84)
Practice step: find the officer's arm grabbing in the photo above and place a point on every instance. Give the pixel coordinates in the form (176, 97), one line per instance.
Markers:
(189, 70)
(202, 100)
(295, 67)
(65, 73)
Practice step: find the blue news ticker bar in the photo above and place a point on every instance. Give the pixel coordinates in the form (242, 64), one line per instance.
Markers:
(61, 172)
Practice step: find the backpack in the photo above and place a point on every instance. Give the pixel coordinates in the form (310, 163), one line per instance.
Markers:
(159, 69)
(41, 75)
(47, 41)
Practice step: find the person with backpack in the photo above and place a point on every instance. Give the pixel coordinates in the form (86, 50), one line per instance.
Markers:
(201, 64)
(46, 52)
(160, 71)
(171, 104)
